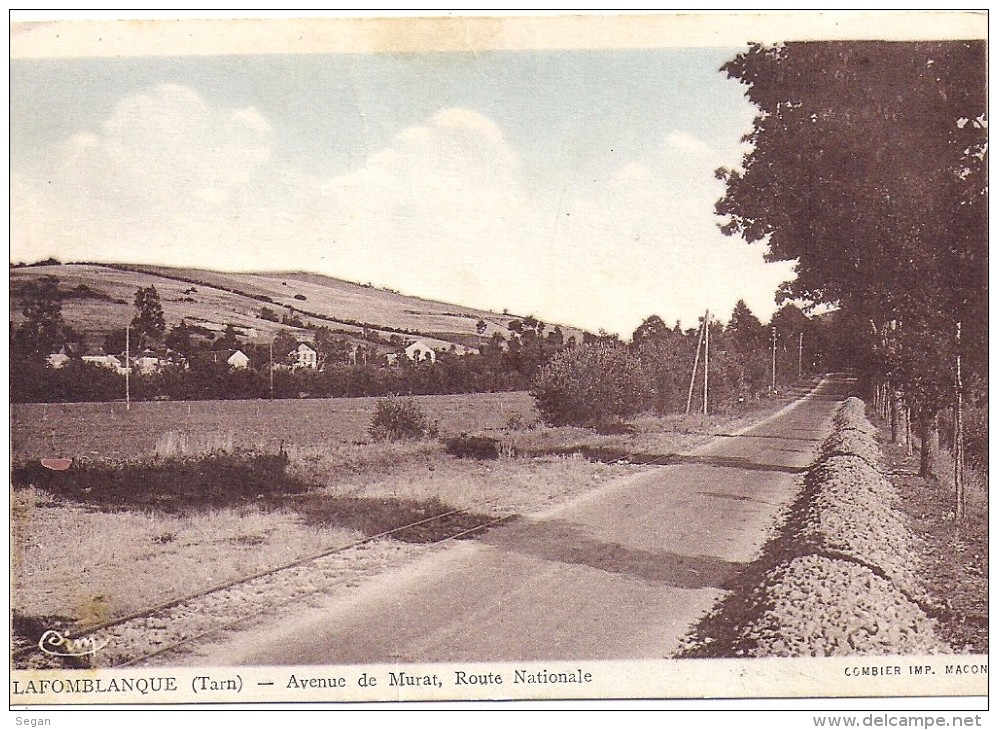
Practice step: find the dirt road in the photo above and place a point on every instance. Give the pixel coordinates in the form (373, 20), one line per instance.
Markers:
(621, 573)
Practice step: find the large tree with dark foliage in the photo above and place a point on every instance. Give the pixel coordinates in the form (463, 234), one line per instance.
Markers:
(43, 329)
(867, 168)
(745, 328)
(652, 329)
(148, 324)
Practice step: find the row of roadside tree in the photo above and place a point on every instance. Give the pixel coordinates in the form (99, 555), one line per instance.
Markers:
(868, 167)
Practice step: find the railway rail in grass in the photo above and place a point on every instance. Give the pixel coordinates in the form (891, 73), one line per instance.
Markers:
(461, 529)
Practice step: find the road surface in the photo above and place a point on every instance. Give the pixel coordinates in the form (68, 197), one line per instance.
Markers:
(621, 573)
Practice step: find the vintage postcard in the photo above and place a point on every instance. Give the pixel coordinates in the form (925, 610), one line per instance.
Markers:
(509, 357)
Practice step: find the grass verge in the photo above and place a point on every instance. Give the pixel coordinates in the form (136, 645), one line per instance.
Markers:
(952, 554)
(175, 485)
(87, 565)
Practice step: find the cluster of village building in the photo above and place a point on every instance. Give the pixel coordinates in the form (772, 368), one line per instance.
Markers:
(304, 356)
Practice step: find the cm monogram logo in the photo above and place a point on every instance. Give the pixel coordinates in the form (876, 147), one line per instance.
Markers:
(55, 644)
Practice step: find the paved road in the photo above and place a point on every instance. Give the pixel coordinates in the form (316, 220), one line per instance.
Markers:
(621, 573)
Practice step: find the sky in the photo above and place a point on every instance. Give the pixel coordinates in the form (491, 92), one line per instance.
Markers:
(574, 185)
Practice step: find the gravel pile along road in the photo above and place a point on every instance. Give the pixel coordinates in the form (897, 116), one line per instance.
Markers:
(852, 414)
(853, 443)
(839, 578)
(848, 513)
(821, 606)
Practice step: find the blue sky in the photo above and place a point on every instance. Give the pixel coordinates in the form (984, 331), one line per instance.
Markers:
(326, 110)
(574, 185)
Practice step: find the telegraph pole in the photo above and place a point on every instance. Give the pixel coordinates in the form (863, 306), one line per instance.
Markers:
(272, 370)
(706, 356)
(693, 376)
(128, 367)
(774, 359)
(800, 355)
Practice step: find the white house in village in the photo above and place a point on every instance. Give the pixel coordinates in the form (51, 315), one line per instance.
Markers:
(57, 360)
(147, 363)
(105, 361)
(304, 356)
(238, 360)
(235, 359)
(418, 351)
(144, 364)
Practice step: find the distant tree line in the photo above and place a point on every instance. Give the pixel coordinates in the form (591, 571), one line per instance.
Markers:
(597, 379)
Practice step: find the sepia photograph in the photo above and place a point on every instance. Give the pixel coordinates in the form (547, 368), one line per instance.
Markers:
(514, 357)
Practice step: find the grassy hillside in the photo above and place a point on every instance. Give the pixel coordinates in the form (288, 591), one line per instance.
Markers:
(99, 298)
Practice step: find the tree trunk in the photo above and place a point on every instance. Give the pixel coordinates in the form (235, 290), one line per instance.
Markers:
(958, 476)
(961, 504)
(925, 434)
(907, 431)
(895, 416)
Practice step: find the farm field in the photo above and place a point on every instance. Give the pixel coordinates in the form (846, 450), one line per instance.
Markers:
(107, 430)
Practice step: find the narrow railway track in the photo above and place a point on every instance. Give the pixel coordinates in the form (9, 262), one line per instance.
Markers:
(208, 612)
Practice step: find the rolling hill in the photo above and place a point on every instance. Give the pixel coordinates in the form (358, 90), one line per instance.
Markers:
(98, 298)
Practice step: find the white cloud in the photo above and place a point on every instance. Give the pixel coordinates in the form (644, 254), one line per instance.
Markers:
(690, 145)
(631, 172)
(442, 210)
(148, 184)
(251, 118)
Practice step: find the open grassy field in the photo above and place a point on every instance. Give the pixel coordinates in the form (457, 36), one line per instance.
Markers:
(80, 556)
(107, 430)
(347, 300)
(220, 298)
